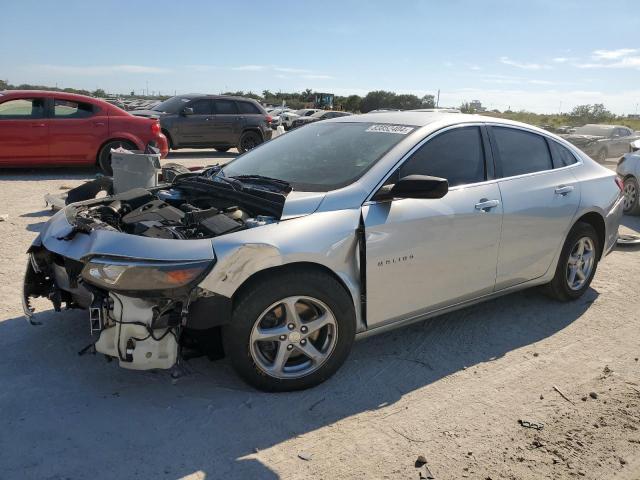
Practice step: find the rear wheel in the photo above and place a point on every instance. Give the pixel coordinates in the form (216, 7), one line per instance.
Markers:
(291, 332)
(631, 196)
(249, 140)
(577, 263)
(104, 156)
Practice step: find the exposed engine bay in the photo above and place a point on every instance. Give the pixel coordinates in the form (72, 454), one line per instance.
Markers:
(145, 312)
(190, 208)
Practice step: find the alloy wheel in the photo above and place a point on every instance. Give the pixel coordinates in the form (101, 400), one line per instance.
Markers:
(580, 263)
(293, 337)
(630, 194)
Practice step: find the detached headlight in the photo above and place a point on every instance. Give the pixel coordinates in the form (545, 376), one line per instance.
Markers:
(131, 275)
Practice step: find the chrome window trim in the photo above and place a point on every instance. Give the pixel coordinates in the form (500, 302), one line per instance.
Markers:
(417, 146)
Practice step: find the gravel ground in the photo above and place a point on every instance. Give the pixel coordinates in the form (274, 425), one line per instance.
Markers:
(451, 389)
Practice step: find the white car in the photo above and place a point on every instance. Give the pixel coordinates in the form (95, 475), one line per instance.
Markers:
(283, 116)
(629, 170)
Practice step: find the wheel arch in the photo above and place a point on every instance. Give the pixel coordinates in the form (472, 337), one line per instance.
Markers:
(167, 134)
(252, 129)
(119, 138)
(596, 220)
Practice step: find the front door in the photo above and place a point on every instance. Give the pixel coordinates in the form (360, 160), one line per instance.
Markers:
(195, 128)
(24, 132)
(425, 254)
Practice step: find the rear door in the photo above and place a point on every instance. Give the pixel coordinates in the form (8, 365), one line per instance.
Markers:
(622, 138)
(77, 130)
(196, 129)
(227, 122)
(425, 254)
(24, 132)
(539, 202)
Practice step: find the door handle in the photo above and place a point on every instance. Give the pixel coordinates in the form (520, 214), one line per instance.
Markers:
(37, 125)
(486, 205)
(98, 124)
(564, 189)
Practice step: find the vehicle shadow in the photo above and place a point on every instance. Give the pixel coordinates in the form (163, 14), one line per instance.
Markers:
(195, 154)
(42, 174)
(82, 416)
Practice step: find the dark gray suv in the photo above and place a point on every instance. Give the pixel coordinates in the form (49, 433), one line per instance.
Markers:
(218, 121)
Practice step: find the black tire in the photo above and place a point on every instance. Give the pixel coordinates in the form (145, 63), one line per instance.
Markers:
(104, 156)
(631, 192)
(169, 140)
(249, 140)
(559, 287)
(602, 155)
(262, 294)
(222, 149)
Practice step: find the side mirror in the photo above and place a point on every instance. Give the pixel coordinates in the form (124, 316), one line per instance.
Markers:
(414, 186)
(187, 111)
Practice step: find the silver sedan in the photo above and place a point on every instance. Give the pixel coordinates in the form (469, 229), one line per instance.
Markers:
(338, 230)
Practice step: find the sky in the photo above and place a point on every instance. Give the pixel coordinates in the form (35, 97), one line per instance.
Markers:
(538, 55)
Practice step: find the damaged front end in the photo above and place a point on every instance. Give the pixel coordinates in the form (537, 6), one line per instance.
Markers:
(135, 261)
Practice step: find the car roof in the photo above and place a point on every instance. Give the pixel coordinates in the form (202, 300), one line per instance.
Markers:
(49, 93)
(207, 95)
(422, 119)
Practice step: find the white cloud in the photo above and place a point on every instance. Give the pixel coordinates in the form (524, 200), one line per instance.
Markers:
(560, 59)
(316, 76)
(613, 54)
(474, 67)
(291, 70)
(250, 68)
(523, 65)
(96, 70)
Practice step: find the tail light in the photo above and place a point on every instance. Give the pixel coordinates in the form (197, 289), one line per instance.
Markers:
(619, 183)
(269, 119)
(155, 128)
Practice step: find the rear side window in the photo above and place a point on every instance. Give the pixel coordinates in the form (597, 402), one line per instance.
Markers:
(68, 109)
(560, 155)
(22, 108)
(456, 155)
(225, 107)
(521, 152)
(247, 107)
(201, 107)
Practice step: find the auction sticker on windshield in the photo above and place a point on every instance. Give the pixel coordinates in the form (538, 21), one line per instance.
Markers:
(399, 129)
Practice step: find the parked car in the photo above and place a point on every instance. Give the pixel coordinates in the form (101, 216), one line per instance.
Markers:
(283, 116)
(50, 129)
(629, 171)
(319, 115)
(339, 230)
(602, 141)
(306, 112)
(211, 121)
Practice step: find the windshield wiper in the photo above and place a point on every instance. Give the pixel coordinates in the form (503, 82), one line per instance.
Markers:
(261, 179)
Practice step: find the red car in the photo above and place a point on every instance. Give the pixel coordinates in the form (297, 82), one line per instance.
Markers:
(47, 129)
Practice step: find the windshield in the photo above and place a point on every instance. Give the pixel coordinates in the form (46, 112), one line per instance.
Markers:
(172, 105)
(320, 157)
(599, 130)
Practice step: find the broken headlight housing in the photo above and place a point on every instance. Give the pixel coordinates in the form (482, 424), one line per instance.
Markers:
(140, 275)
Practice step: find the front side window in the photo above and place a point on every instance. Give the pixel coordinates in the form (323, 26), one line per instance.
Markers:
(319, 157)
(201, 107)
(69, 109)
(521, 152)
(560, 155)
(22, 108)
(225, 107)
(456, 155)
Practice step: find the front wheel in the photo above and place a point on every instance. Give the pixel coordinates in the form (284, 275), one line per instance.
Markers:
(631, 197)
(104, 156)
(290, 333)
(249, 140)
(577, 263)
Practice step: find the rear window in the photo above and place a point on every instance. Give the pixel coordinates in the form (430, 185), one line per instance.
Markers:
(225, 107)
(69, 109)
(248, 107)
(560, 155)
(521, 152)
(22, 108)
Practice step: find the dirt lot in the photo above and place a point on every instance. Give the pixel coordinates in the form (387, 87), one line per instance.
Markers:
(451, 389)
